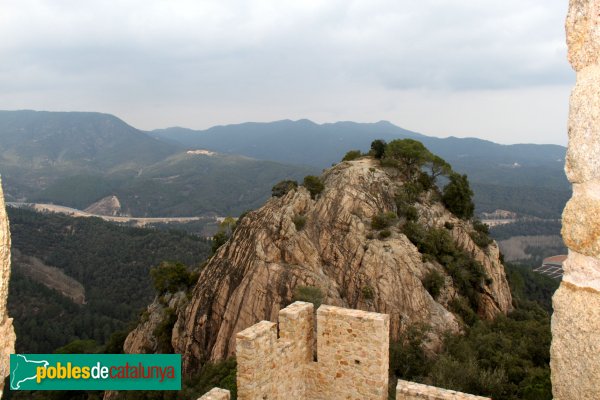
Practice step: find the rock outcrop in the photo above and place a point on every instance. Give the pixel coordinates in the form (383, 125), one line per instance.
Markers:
(109, 206)
(143, 338)
(7, 332)
(295, 241)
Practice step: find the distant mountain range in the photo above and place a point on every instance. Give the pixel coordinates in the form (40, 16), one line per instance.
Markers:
(525, 178)
(75, 159)
(320, 145)
(90, 141)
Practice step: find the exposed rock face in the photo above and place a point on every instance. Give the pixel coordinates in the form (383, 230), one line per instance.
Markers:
(51, 277)
(255, 274)
(109, 206)
(7, 332)
(575, 352)
(142, 339)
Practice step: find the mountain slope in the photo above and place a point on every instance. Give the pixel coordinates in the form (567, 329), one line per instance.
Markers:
(193, 184)
(110, 262)
(39, 148)
(63, 140)
(181, 185)
(296, 142)
(77, 159)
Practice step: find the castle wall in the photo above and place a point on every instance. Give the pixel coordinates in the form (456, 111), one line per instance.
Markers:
(575, 352)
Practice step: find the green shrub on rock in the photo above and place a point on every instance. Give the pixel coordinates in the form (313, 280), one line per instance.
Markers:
(433, 283)
(377, 149)
(481, 234)
(309, 294)
(170, 277)
(314, 185)
(383, 220)
(352, 155)
(368, 293)
(384, 234)
(299, 221)
(282, 188)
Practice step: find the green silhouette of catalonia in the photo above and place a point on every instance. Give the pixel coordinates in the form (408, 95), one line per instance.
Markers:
(23, 370)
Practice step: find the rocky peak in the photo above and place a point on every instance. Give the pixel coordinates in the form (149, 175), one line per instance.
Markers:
(325, 248)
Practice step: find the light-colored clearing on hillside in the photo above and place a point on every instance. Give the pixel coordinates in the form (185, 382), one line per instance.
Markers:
(51, 277)
(138, 221)
(201, 152)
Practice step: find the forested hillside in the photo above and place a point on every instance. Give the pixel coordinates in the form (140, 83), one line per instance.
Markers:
(111, 262)
(76, 159)
(525, 178)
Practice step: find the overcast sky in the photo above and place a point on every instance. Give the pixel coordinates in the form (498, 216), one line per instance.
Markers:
(494, 69)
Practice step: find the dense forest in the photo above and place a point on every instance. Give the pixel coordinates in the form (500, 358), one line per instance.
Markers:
(540, 202)
(111, 262)
(526, 228)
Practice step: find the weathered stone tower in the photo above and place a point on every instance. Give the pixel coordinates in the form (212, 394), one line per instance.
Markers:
(7, 332)
(576, 321)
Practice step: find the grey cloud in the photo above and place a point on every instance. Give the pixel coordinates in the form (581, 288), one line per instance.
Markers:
(237, 52)
(400, 44)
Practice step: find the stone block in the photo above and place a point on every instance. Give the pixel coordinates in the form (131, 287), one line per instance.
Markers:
(582, 162)
(406, 390)
(255, 352)
(216, 394)
(583, 33)
(582, 270)
(581, 219)
(575, 351)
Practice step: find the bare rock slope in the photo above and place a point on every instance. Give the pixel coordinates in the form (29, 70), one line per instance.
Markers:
(269, 257)
(109, 206)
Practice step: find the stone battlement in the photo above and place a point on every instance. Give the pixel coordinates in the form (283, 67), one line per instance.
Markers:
(348, 358)
(351, 355)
